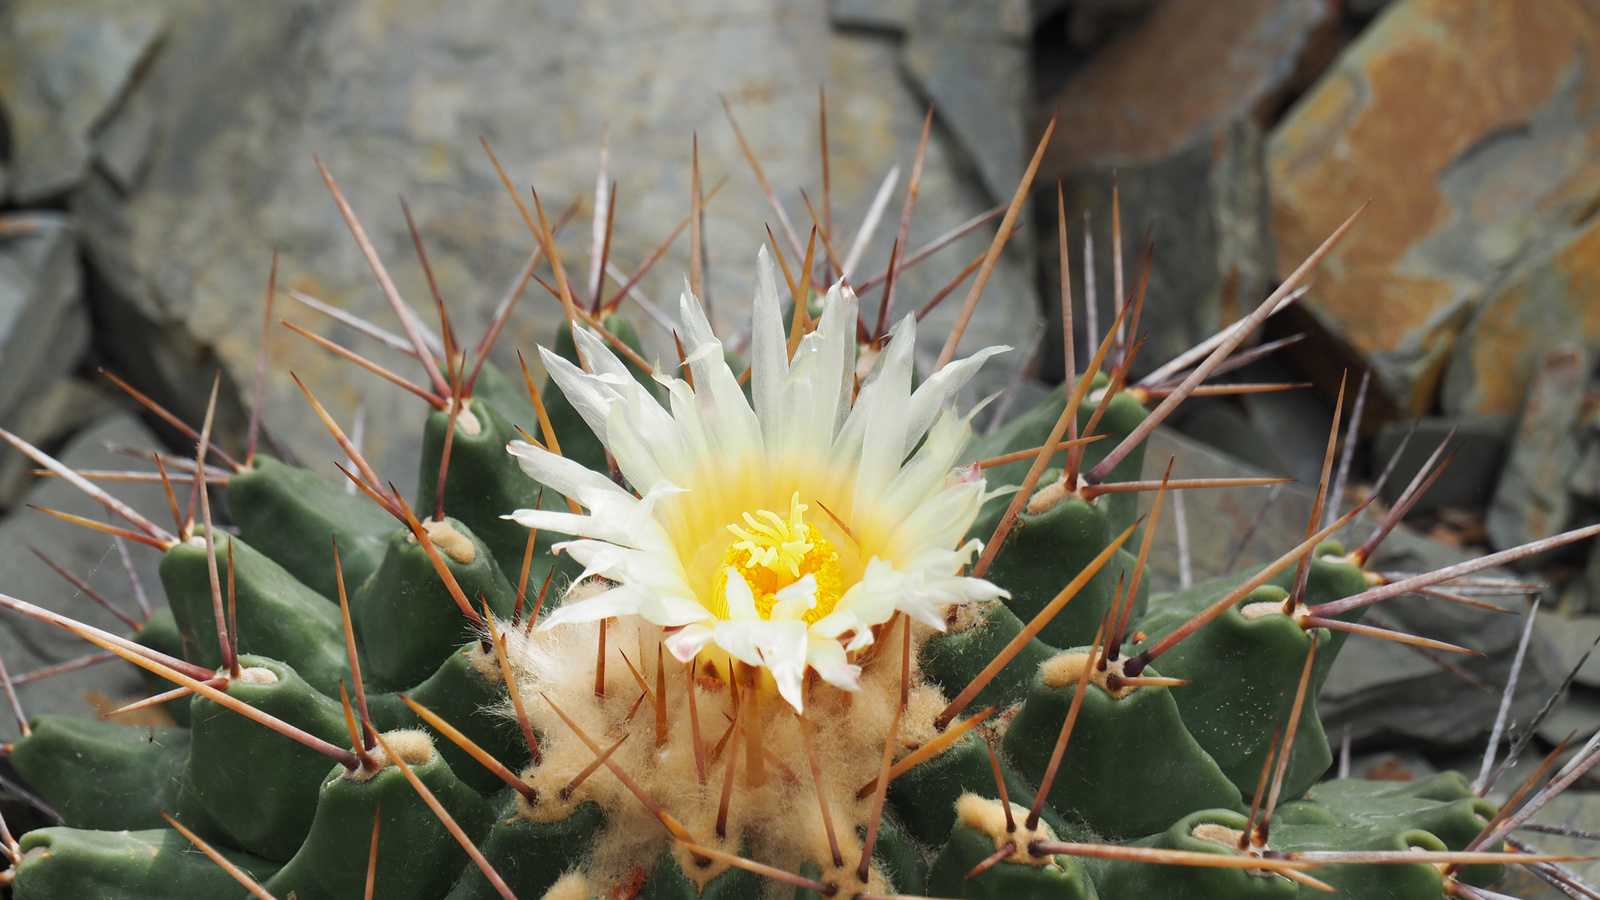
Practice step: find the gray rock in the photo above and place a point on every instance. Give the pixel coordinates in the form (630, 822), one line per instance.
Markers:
(1089, 22)
(1575, 809)
(44, 325)
(1385, 688)
(66, 406)
(1585, 480)
(1570, 637)
(63, 66)
(1171, 105)
(1531, 500)
(28, 645)
(1468, 482)
(888, 15)
(971, 61)
(392, 99)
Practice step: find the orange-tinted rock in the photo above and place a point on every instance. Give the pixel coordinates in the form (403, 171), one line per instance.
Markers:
(1553, 300)
(1473, 125)
(1173, 106)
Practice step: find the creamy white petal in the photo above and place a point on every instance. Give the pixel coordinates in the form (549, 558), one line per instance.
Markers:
(931, 395)
(622, 600)
(670, 611)
(779, 647)
(829, 659)
(590, 398)
(796, 600)
(569, 478)
(836, 357)
(884, 437)
(688, 641)
(741, 602)
(768, 347)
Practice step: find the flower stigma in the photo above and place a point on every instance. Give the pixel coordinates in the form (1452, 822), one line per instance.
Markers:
(772, 553)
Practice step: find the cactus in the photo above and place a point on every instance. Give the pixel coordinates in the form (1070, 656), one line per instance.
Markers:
(814, 653)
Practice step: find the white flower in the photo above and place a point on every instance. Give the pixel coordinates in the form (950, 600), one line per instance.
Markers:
(779, 535)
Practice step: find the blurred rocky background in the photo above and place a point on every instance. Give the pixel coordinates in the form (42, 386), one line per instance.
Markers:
(155, 154)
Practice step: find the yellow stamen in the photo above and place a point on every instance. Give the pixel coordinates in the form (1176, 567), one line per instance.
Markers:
(773, 552)
(775, 543)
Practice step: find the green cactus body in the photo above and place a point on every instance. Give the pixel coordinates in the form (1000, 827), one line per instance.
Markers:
(1242, 675)
(418, 859)
(483, 481)
(461, 692)
(953, 659)
(668, 882)
(160, 633)
(1060, 877)
(260, 786)
(1404, 881)
(156, 864)
(1442, 805)
(1129, 880)
(924, 798)
(103, 775)
(405, 616)
(278, 617)
(530, 855)
(1047, 549)
(1112, 735)
(281, 508)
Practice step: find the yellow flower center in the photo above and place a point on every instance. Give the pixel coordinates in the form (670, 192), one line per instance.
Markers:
(773, 552)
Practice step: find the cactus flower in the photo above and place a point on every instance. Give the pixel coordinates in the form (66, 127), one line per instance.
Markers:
(778, 532)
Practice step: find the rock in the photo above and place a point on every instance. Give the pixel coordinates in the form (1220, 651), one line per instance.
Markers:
(1381, 689)
(1462, 180)
(1549, 302)
(63, 66)
(1174, 106)
(1090, 22)
(1585, 480)
(392, 98)
(889, 15)
(971, 61)
(1570, 637)
(1468, 482)
(28, 645)
(67, 405)
(1221, 425)
(1579, 714)
(1364, 9)
(1578, 809)
(1531, 501)
(44, 326)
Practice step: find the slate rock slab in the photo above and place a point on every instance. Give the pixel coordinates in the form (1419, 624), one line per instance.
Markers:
(1549, 301)
(1175, 104)
(44, 324)
(28, 645)
(1469, 480)
(1462, 179)
(1531, 500)
(393, 99)
(64, 65)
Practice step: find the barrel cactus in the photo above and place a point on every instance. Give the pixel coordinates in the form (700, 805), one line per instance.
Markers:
(732, 626)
